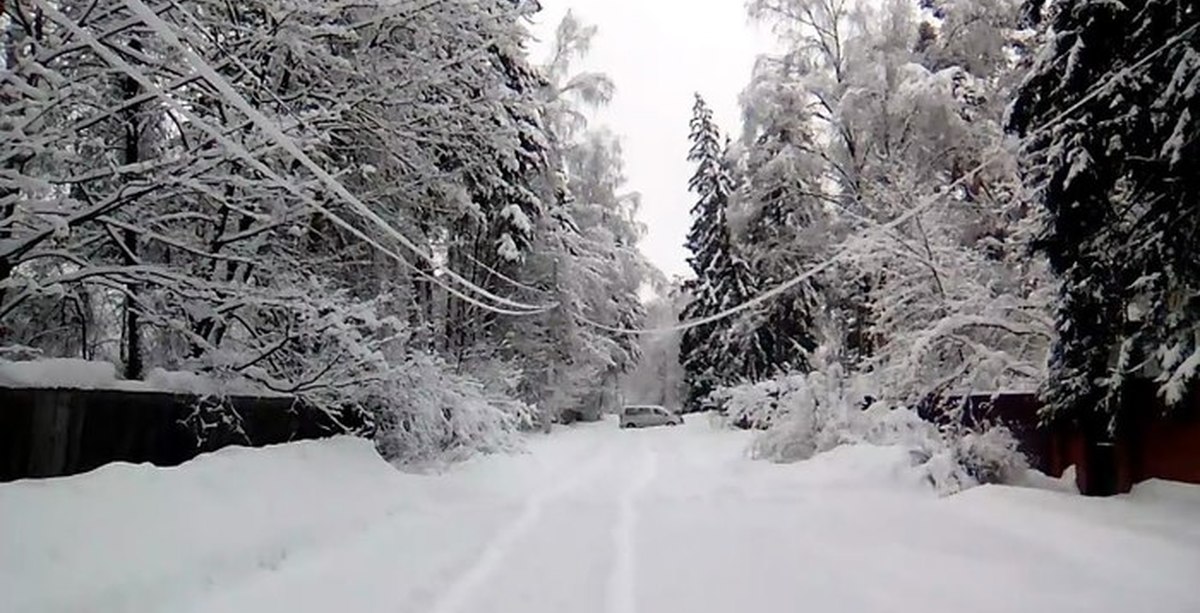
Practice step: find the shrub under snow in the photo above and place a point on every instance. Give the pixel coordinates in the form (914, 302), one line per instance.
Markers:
(429, 411)
(804, 414)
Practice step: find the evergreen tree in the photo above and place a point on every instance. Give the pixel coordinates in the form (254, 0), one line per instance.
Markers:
(720, 352)
(1119, 185)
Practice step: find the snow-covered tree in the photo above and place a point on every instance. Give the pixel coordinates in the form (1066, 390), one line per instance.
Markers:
(587, 260)
(779, 213)
(1109, 114)
(325, 198)
(727, 350)
(585, 255)
(571, 94)
(933, 286)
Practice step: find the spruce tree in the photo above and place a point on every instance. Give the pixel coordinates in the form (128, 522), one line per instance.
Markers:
(1119, 181)
(720, 352)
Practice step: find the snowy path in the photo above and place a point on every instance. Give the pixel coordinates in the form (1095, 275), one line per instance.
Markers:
(592, 520)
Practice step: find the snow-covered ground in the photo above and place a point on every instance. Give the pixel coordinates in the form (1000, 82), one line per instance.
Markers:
(592, 519)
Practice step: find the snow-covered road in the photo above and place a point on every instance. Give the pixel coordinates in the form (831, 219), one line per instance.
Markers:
(592, 519)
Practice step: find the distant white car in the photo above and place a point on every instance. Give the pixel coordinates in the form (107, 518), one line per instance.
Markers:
(641, 416)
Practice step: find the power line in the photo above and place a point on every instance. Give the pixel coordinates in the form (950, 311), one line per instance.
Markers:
(505, 278)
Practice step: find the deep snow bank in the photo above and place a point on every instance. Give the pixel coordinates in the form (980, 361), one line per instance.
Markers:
(126, 538)
(137, 538)
(1165, 510)
(894, 468)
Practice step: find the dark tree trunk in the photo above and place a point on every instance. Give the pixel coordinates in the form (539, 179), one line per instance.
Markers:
(134, 361)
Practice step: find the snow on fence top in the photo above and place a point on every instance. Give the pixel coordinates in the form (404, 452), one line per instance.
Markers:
(74, 373)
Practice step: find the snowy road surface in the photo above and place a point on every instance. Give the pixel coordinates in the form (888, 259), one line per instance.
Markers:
(591, 519)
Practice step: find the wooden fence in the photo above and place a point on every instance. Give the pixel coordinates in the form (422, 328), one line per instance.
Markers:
(55, 432)
(1150, 441)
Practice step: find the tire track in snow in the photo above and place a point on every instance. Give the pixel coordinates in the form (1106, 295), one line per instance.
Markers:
(621, 594)
(500, 547)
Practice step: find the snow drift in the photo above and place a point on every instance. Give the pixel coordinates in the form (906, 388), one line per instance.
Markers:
(137, 538)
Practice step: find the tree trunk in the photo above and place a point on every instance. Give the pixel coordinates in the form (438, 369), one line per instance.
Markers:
(134, 361)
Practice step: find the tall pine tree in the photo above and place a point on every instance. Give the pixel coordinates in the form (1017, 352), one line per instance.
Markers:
(720, 352)
(1119, 181)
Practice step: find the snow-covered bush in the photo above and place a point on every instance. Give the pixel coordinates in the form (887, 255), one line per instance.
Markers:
(802, 413)
(808, 413)
(429, 411)
(952, 458)
(988, 455)
(752, 405)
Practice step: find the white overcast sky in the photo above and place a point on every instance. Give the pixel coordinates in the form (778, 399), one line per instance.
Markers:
(660, 52)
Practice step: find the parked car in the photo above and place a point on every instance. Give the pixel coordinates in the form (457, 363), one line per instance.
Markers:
(641, 416)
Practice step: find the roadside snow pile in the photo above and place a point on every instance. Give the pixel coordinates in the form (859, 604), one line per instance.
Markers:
(74, 373)
(1172, 494)
(1037, 480)
(803, 414)
(1165, 510)
(137, 538)
(885, 467)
